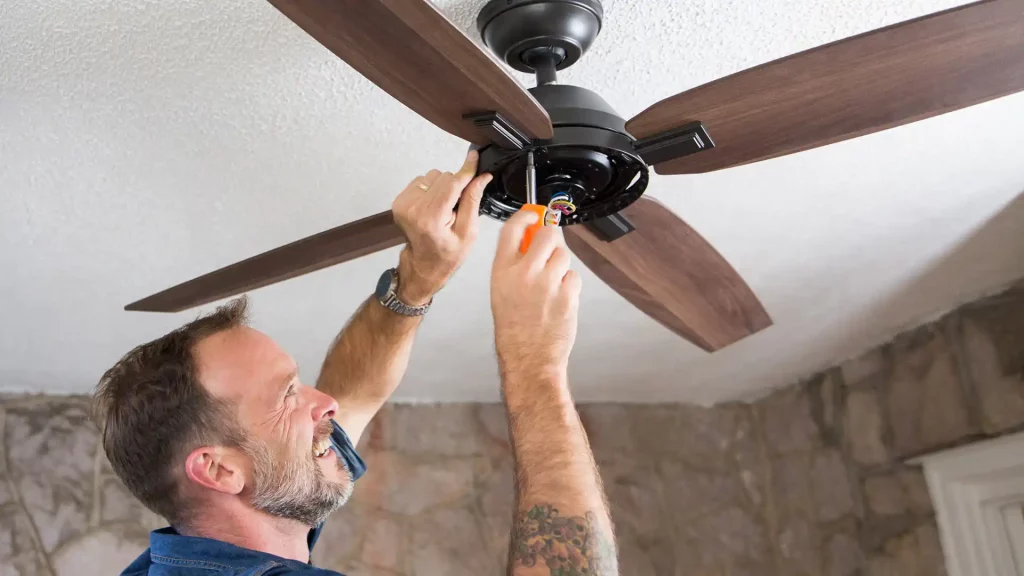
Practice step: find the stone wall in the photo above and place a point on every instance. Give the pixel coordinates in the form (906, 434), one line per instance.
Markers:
(807, 481)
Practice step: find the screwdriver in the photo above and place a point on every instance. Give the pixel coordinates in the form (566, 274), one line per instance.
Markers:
(531, 204)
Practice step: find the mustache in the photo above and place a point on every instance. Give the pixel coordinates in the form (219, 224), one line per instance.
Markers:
(323, 430)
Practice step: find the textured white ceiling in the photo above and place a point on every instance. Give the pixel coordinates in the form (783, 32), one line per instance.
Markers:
(145, 142)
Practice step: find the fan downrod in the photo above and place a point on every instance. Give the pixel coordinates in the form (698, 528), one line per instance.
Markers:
(540, 36)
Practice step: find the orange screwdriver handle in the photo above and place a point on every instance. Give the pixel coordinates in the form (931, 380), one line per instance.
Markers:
(541, 211)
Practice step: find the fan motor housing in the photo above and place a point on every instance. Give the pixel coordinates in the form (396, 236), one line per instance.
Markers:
(590, 157)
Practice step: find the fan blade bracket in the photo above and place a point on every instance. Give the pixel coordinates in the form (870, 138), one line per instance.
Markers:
(499, 130)
(676, 143)
(611, 227)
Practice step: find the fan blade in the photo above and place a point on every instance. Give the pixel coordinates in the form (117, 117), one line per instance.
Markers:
(674, 276)
(872, 82)
(334, 246)
(419, 57)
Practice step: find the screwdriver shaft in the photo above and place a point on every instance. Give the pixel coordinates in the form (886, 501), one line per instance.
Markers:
(531, 179)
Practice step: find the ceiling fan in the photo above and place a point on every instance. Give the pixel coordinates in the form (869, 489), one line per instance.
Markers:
(590, 159)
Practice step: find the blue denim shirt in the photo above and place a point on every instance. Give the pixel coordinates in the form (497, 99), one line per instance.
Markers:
(171, 554)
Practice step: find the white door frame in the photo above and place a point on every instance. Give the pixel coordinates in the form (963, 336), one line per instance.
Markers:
(974, 489)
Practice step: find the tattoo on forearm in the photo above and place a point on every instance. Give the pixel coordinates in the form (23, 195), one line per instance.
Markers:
(570, 546)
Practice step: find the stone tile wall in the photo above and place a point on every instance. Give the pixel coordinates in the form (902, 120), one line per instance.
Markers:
(807, 481)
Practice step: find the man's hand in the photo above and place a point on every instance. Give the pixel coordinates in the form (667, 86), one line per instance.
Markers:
(439, 236)
(534, 299)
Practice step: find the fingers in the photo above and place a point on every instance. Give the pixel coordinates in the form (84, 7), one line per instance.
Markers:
(443, 195)
(512, 234)
(558, 264)
(430, 177)
(462, 177)
(423, 183)
(572, 283)
(545, 241)
(468, 218)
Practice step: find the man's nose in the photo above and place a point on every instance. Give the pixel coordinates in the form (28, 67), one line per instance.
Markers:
(323, 406)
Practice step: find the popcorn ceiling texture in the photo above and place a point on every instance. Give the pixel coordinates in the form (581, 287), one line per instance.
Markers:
(143, 143)
(809, 481)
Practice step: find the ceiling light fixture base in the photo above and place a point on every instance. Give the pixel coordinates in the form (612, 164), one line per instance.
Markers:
(517, 30)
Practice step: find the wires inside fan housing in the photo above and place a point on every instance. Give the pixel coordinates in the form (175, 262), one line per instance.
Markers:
(590, 157)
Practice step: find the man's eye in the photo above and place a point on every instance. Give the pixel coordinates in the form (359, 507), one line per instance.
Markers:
(291, 391)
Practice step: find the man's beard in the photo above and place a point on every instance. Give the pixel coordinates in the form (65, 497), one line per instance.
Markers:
(294, 487)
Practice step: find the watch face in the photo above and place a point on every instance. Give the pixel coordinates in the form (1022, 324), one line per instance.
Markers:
(384, 284)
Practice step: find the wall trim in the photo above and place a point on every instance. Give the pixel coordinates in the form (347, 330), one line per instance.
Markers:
(978, 493)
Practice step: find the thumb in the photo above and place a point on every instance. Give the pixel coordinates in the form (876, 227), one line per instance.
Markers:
(468, 217)
(459, 182)
(468, 170)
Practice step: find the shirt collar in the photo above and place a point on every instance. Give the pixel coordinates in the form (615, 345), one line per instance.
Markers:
(167, 546)
(343, 447)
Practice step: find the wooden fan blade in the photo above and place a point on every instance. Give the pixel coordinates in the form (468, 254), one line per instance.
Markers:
(334, 246)
(872, 82)
(419, 57)
(667, 270)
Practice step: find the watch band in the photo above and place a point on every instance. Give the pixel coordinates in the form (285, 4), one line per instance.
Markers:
(391, 302)
(387, 295)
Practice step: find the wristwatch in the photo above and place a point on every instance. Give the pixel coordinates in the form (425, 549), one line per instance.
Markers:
(387, 295)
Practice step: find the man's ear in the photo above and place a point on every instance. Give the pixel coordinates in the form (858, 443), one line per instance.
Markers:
(216, 468)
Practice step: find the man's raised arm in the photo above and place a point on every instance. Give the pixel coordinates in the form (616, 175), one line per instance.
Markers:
(561, 523)
(369, 357)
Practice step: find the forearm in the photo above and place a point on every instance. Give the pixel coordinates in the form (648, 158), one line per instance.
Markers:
(438, 214)
(560, 507)
(366, 363)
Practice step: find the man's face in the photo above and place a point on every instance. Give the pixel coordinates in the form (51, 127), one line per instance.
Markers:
(295, 474)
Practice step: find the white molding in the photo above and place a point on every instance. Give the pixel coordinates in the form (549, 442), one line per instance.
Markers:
(1014, 518)
(972, 488)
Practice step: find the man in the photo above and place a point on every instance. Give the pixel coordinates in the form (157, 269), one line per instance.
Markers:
(211, 427)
